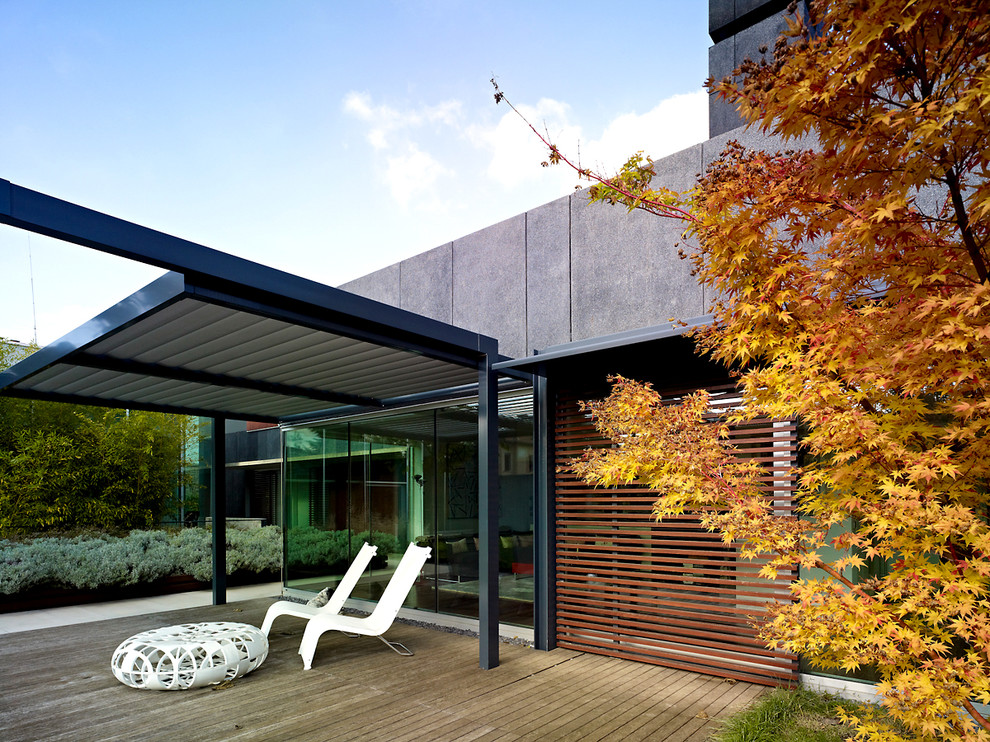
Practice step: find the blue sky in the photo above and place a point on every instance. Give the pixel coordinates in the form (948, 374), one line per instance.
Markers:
(328, 139)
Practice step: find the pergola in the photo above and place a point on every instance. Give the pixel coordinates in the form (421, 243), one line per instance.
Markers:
(223, 337)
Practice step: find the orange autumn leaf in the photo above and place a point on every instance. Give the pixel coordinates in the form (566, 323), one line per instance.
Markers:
(853, 285)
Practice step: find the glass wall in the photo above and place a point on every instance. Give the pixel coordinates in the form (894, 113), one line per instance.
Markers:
(392, 479)
(193, 492)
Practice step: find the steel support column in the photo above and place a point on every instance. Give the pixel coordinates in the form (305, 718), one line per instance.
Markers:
(544, 598)
(488, 507)
(218, 509)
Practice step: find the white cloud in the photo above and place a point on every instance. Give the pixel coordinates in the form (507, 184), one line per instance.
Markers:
(448, 112)
(516, 151)
(412, 177)
(672, 125)
(423, 153)
(386, 120)
(359, 104)
(410, 172)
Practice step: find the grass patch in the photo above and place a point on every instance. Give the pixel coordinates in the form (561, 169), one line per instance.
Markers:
(789, 716)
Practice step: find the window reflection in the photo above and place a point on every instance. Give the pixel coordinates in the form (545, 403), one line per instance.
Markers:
(392, 479)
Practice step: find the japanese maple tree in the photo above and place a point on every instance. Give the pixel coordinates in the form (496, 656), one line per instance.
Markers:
(852, 280)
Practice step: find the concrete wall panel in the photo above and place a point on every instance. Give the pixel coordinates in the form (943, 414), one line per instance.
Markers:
(722, 116)
(720, 14)
(548, 268)
(679, 171)
(489, 283)
(382, 285)
(749, 138)
(426, 284)
(625, 272)
(752, 6)
(567, 270)
(749, 40)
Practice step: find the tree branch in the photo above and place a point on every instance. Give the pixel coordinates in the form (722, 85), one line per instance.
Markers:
(977, 716)
(962, 220)
(652, 205)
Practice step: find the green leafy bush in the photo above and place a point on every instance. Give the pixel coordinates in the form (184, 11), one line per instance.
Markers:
(194, 551)
(311, 547)
(333, 550)
(386, 542)
(254, 550)
(87, 469)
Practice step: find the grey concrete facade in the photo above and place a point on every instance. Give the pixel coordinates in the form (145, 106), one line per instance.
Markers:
(739, 28)
(571, 270)
(567, 270)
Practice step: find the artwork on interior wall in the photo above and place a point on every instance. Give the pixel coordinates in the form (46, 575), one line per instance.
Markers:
(462, 480)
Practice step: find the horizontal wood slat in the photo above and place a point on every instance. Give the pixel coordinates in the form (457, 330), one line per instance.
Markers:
(670, 593)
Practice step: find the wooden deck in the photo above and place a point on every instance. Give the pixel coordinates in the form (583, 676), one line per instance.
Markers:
(55, 684)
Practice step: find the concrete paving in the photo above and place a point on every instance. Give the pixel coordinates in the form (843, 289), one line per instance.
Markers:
(12, 623)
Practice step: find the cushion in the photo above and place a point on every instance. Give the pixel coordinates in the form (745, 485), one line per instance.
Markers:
(320, 599)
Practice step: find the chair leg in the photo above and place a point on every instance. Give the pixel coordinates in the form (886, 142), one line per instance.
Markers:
(405, 651)
(307, 647)
(266, 627)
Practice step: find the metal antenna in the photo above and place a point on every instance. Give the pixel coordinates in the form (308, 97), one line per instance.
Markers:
(34, 311)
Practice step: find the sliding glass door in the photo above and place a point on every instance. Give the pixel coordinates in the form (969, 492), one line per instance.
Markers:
(392, 479)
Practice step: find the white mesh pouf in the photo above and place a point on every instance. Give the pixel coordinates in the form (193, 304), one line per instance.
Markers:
(190, 655)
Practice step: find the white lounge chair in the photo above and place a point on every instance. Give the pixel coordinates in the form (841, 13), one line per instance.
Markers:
(336, 600)
(380, 619)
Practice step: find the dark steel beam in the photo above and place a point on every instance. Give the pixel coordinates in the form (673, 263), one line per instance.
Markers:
(154, 297)
(544, 577)
(134, 405)
(218, 510)
(157, 370)
(488, 509)
(37, 212)
(606, 343)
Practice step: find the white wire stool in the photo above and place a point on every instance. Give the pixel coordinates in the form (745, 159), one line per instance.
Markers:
(189, 655)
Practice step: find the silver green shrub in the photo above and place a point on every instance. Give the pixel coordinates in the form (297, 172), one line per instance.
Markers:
(193, 550)
(87, 562)
(254, 550)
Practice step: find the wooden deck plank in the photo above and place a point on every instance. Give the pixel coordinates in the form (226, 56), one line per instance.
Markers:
(684, 712)
(631, 702)
(702, 727)
(643, 713)
(514, 701)
(496, 735)
(436, 727)
(56, 685)
(690, 727)
(587, 719)
(536, 709)
(603, 689)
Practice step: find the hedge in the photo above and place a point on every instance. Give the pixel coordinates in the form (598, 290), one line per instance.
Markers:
(100, 560)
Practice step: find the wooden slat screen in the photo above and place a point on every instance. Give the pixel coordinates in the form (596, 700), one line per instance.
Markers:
(668, 593)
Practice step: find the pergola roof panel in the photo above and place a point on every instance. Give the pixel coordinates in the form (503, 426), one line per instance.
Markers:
(172, 346)
(218, 335)
(402, 376)
(136, 391)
